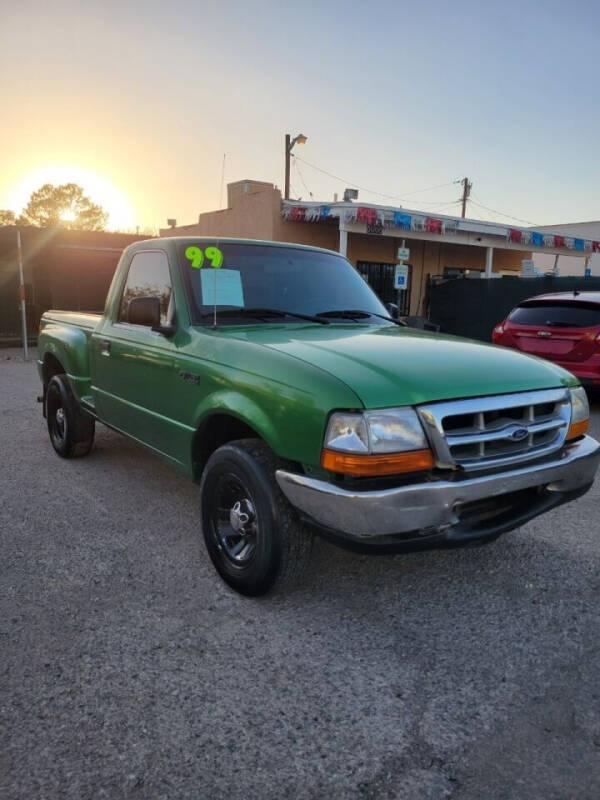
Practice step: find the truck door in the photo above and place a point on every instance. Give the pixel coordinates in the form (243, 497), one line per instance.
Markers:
(134, 369)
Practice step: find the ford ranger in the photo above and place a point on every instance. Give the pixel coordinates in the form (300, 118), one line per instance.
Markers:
(273, 376)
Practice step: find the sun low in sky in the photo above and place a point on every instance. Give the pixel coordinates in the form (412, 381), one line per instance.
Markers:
(121, 215)
(140, 112)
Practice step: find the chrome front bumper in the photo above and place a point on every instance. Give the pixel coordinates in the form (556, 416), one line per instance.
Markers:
(433, 508)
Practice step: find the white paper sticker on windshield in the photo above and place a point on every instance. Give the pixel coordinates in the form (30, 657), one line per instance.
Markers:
(221, 287)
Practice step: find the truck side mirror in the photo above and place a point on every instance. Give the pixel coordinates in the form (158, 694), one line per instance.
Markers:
(144, 311)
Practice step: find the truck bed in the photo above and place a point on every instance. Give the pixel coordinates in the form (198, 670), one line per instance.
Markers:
(80, 319)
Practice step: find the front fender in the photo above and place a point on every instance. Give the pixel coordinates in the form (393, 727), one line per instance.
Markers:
(243, 408)
(291, 419)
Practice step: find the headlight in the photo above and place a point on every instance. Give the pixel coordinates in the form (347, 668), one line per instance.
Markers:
(384, 442)
(580, 413)
(347, 432)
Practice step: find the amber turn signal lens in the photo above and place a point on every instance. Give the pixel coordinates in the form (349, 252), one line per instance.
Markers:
(389, 464)
(578, 429)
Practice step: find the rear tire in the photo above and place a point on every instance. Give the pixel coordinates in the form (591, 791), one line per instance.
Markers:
(71, 430)
(253, 535)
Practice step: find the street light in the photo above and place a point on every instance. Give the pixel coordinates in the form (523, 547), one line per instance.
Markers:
(289, 146)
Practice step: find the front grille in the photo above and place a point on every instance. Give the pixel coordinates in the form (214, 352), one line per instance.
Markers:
(486, 432)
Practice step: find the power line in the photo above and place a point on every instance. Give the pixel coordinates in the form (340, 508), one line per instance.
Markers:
(302, 179)
(372, 191)
(500, 213)
(294, 192)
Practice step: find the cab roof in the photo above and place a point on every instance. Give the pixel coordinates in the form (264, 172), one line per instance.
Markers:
(172, 241)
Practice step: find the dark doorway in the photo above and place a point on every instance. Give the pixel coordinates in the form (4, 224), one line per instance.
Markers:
(380, 278)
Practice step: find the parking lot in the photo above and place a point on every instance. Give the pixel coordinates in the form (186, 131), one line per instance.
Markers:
(130, 670)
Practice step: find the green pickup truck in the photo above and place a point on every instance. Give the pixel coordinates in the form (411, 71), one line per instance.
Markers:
(272, 375)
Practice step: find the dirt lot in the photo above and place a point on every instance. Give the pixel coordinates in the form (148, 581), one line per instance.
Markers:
(129, 670)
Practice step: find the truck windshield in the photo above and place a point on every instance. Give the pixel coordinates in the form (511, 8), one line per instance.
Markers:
(300, 283)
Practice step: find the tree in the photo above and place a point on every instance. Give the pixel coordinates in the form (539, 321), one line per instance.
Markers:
(65, 206)
(7, 217)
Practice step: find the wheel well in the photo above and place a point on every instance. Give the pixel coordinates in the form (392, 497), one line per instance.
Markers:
(217, 430)
(52, 366)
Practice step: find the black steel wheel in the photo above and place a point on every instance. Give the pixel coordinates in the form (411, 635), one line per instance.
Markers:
(234, 522)
(253, 536)
(71, 430)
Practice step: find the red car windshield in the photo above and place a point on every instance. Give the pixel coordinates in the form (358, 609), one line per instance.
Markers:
(557, 314)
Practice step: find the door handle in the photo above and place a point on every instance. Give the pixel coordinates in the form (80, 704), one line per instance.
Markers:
(105, 347)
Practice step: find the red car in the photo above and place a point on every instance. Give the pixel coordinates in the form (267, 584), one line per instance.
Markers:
(562, 327)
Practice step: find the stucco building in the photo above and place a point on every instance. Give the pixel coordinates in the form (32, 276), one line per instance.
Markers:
(370, 235)
(569, 264)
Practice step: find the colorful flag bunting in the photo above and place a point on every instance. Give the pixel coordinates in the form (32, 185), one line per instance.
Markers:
(433, 225)
(402, 221)
(298, 213)
(366, 215)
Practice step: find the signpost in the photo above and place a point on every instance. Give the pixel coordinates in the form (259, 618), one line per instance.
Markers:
(22, 296)
(401, 276)
(401, 271)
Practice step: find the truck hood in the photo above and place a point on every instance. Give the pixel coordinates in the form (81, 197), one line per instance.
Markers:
(387, 366)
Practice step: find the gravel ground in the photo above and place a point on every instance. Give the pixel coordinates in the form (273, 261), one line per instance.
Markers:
(130, 670)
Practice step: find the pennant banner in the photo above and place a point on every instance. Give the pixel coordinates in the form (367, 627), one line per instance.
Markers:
(305, 213)
(537, 239)
(402, 221)
(366, 215)
(416, 222)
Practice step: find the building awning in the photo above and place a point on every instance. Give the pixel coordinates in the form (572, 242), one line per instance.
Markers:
(406, 223)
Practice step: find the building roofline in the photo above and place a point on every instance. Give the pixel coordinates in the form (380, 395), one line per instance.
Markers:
(462, 225)
(588, 222)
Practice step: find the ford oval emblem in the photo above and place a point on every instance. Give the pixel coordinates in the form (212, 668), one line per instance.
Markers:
(518, 434)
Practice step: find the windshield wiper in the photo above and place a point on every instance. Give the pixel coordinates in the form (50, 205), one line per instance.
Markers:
(354, 313)
(264, 312)
(556, 323)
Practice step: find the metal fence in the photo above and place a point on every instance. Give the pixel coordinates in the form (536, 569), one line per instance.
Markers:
(380, 278)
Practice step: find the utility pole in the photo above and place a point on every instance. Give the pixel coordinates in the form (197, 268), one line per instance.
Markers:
(289, 146)
(467, 186)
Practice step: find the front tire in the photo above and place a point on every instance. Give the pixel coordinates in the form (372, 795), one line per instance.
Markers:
(252, 533)
(71, 430)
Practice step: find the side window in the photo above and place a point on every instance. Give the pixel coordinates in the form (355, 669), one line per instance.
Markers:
(148, 275)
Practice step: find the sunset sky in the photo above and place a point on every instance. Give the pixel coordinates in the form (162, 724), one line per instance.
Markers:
(139, 102)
